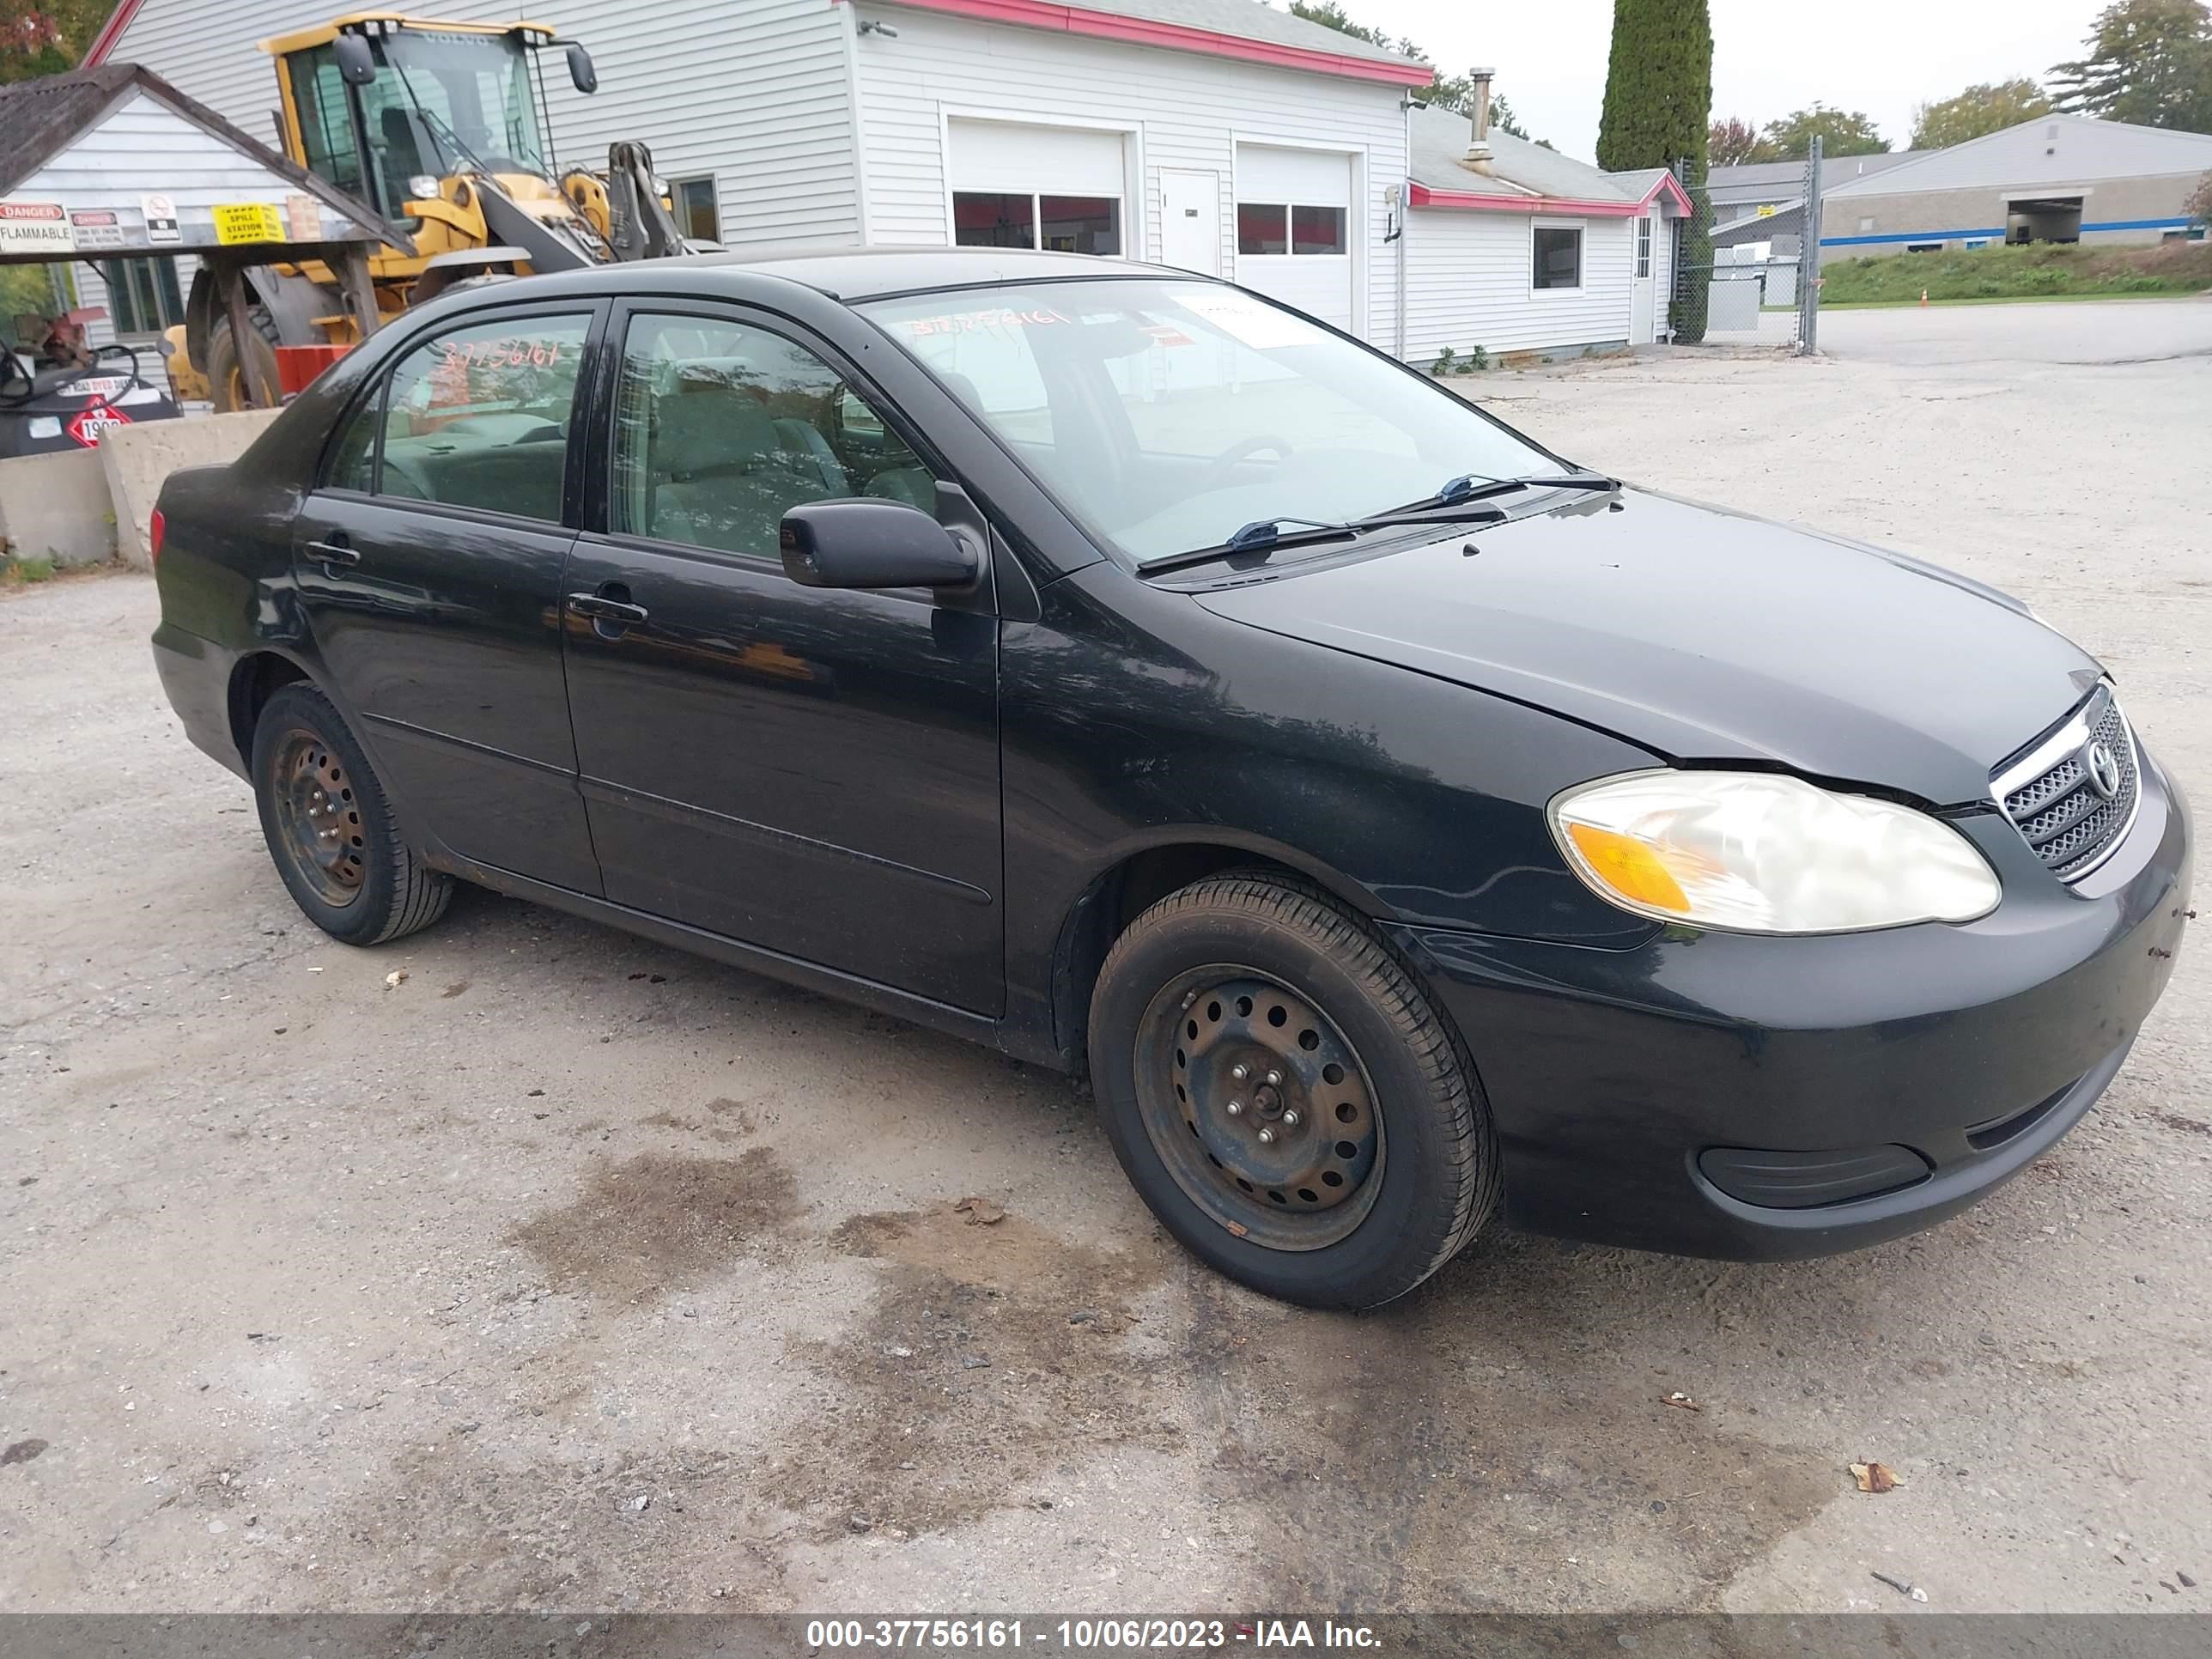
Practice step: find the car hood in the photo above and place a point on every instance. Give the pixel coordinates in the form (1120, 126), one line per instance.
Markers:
(1704, 634)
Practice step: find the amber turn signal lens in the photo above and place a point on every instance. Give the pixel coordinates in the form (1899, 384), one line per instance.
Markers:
(1629, 867)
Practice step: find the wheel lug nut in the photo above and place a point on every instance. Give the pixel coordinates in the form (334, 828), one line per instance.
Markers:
(1289, 1118)
(1274, 1080)
(1266, 1137)
(1235, 1108)
(1239, 1073)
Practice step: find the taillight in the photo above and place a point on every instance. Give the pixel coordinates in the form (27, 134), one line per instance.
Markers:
(156, 527)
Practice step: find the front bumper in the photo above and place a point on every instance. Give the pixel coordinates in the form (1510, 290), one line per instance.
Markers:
(1611, 1075)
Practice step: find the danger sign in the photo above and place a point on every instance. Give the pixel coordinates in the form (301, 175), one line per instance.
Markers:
(34, 227)
(93, 424)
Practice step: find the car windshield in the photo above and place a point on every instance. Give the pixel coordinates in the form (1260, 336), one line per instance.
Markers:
(1167, 415)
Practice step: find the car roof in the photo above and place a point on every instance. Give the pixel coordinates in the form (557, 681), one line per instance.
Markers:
(852, 273)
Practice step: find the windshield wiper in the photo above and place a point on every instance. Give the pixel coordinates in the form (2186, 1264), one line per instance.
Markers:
(1476, 486)
(1263, 536)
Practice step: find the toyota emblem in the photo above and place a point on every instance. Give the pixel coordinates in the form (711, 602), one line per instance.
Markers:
(2104, 768)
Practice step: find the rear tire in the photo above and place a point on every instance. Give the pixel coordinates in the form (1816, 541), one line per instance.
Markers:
(1360, 1157)
(330, 826)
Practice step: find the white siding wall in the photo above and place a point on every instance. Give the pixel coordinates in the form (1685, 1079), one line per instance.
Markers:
(1664, 230)
(1184, 111)
(1467, 285)
(754, 93)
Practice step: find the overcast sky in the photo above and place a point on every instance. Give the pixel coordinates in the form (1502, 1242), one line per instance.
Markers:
(1770, 57)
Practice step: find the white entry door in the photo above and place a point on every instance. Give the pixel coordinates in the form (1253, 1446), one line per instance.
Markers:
(1190, 220)
(1643, 305)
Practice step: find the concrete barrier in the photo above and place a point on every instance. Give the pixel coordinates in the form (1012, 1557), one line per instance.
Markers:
(56, 507)
(137, 458)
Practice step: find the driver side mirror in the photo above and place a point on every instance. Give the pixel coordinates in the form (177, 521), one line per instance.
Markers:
(356, 62)
(862, 542)
(585, 78)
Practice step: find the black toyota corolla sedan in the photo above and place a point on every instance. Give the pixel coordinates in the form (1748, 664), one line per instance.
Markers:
(1400, 825)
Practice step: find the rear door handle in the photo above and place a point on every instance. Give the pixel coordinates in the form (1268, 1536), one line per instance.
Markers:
(335, 553)
(603, 608)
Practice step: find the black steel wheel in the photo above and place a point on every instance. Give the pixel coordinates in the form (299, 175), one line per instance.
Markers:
(329, 827)
(1279, 1092)
(318, 817)
(1259, 1107)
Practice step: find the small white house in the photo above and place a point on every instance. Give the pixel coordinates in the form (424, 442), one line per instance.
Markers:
(1219, 135)
(1513, 247)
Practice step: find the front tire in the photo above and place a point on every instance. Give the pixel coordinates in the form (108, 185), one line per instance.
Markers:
(229, 363)
(329, 827)
(1283, 1097)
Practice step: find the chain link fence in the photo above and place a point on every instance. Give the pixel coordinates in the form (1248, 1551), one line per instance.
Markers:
(1752, 278)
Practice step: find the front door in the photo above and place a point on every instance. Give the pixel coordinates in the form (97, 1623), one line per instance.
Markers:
(813, 771)
(1190, 220)
(428, 562)
(1643, 305)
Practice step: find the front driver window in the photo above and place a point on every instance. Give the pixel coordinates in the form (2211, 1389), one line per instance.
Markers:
(721, 427)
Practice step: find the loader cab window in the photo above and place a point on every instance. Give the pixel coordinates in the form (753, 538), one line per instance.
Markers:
(441, 103)
(327, 143)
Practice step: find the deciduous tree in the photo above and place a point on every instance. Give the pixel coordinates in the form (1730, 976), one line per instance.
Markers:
(1734, 142)
(1842, 132)
(1985, 107)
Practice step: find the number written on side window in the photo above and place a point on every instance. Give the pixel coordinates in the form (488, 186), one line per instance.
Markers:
(479, 417)
(721, 428)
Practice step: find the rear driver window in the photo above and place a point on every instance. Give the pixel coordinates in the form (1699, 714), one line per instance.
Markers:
(479, 417)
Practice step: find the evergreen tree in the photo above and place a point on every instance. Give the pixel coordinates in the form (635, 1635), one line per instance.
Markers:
(2150, 61)
(1658, 105)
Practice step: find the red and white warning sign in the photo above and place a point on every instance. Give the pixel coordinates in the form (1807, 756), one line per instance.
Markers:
(93, 424)
(34, 227)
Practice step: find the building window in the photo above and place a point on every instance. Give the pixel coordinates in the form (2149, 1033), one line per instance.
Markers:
(698, 213)
(1058, 224)
(1975, 242)
(141, 295)
(1923, 247)
(1558, 256)
(1289, 227)
(1644, 247)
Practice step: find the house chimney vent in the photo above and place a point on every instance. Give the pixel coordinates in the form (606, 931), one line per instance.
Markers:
(1478, 148)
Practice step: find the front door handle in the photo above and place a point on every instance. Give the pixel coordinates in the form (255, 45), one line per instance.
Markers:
(603, 609)
(335, 553)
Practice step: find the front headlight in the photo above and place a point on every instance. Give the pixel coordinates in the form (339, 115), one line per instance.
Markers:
(1761, 853)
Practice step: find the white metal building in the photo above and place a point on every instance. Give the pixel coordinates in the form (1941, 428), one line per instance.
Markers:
(2055, 178)
(1220, 135)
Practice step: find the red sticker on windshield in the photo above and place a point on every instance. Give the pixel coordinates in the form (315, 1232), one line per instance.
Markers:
(967, 322)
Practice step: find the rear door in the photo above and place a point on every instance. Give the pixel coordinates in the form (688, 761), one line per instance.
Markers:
(811, 770)
(429, 562)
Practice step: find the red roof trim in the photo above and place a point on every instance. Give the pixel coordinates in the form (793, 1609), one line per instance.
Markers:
(110, 32)
(1143, 32)
(1422, 196)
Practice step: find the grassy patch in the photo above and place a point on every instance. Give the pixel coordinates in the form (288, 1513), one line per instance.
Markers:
(16, 573)
(2039, 272)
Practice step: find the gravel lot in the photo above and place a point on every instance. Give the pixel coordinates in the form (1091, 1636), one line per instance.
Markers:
(572, 1272)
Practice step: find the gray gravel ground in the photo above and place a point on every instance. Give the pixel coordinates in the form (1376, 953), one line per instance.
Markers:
(573, 1271)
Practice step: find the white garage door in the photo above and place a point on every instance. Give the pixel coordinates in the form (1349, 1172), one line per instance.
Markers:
(1026, 186)
(1294, 229)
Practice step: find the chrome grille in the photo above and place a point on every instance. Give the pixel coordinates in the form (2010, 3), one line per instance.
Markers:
(2069, 817)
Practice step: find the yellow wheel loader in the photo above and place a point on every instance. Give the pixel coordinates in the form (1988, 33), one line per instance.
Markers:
(440, 124)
